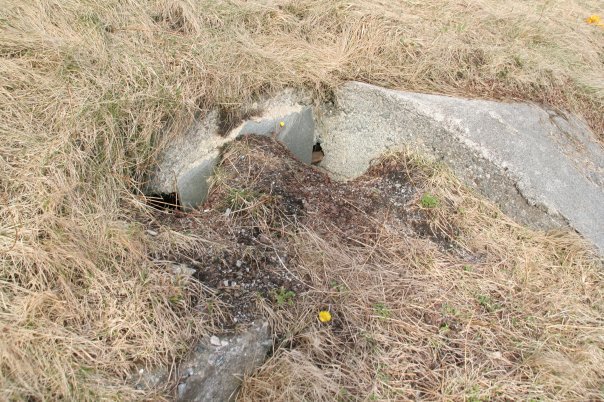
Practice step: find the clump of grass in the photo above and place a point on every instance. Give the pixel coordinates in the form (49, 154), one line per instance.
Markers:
(428, 201)
(239, 199)
(487, 303)
(283, 297)
(381, 310)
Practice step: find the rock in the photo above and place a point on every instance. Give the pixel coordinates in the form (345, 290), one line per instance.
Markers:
(495, 355)
(181, 389)
(213, 373)
(543, 168)
(214, 340)
(187, 162)
(182, 269)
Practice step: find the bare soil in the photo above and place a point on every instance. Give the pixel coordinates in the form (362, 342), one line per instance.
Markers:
(254, 216)
(434, 294)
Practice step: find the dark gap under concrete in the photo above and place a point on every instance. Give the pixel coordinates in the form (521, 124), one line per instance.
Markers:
(163, 201)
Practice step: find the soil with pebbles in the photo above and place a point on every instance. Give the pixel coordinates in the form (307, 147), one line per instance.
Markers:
(262, 196)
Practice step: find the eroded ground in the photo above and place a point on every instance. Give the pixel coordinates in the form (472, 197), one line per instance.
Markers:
(433, 293)
(262, 197)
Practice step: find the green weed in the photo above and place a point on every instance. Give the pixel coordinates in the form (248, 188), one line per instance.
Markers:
(382, 310)
(283, 297)
(429, 201)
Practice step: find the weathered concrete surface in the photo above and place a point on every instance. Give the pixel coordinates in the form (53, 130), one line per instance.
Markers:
(214, 370)
(541, 167)
(215, 366)
(189, 160)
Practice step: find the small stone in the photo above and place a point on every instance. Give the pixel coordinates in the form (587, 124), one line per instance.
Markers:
(214, 340)
(239, 263)
(141, 371)
(182, 269)
(151, 232)
(225, 283)
(264, 239)
(224, 343)
(227, 212)
(495, 355)
(233, 283)
(181, 389)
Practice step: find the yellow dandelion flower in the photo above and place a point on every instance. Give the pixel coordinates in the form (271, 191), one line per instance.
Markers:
(593, 19)
(324, 316)
(282, 124)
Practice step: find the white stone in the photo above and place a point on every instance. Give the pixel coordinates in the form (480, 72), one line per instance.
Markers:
(182, 269)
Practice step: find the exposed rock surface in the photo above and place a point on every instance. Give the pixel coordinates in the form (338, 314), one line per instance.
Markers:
(215, 368)
(543, 168)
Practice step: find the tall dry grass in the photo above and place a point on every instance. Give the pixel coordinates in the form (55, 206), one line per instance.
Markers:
(89, 90)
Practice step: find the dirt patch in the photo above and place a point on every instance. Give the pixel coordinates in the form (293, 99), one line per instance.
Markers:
(433, 293)
(262, 196)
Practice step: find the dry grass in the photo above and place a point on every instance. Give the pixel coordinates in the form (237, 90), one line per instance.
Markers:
(505, 313)
(87, 89)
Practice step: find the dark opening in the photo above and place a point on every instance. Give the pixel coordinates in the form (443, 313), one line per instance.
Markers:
(163, 201)
(317, 154)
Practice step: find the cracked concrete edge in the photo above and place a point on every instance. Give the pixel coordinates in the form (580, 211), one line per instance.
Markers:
(368, 120)
(187, 164)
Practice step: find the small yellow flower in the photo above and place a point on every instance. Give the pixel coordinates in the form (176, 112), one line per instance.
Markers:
(324, 316)
(282, 123)
(593, 19)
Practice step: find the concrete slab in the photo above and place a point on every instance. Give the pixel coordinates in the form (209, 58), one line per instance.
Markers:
(297, 132)
(187, 163)
(542, 167)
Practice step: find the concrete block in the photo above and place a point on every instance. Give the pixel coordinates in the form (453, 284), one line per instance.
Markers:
(297, 132)
(193, 184)
(187, 163)
(543, 168)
